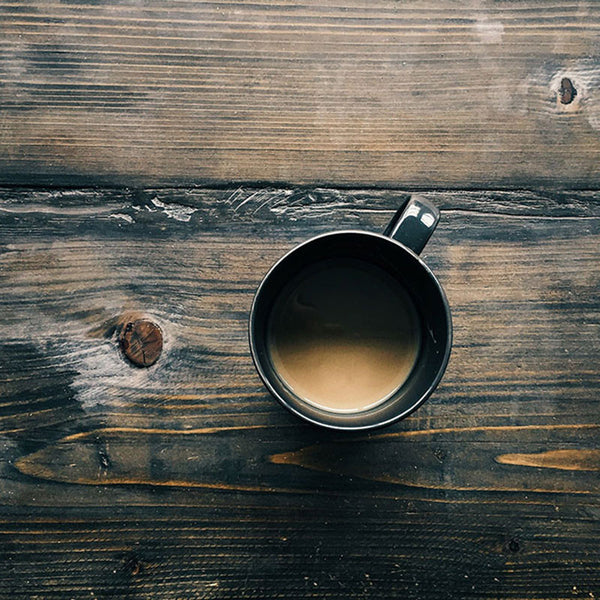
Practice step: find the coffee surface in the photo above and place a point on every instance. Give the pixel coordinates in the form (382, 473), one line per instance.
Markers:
(344, 335)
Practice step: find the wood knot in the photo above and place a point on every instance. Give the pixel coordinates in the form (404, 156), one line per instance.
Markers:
(141, 342)
(513, 546)
(566, 92)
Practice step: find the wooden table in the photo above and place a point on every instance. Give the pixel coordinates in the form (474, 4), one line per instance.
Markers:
(157, 157)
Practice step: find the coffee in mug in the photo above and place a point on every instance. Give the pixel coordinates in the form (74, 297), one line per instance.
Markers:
(351, 330)
(343, 335)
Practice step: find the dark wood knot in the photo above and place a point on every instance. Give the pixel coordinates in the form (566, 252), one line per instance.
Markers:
(141, 342)
(567, 92)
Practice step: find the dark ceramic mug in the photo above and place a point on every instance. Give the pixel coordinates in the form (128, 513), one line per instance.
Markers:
(396, 251)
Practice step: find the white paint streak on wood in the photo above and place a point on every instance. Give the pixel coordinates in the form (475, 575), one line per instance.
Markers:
(179, 212)
(122, 216)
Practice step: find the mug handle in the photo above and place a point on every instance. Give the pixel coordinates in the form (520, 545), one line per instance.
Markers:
(414, 223)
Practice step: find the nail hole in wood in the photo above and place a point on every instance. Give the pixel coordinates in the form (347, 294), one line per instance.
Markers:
(567, 91)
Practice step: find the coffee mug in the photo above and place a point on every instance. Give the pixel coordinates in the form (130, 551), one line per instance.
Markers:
(351, 330)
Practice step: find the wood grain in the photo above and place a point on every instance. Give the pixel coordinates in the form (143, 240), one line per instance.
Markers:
(353, 93)
(199, 457)
(186, 480)
(566, 460)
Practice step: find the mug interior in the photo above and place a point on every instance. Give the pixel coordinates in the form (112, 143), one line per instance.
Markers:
(427, 296)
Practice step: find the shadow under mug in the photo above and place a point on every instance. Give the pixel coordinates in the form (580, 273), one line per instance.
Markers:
(396, 252)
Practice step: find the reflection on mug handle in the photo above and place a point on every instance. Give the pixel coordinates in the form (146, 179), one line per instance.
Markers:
(413, 224)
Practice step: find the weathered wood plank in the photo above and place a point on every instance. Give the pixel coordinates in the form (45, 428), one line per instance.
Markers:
(331, 549)
(353, 93)
(200, 457)
(186, 480)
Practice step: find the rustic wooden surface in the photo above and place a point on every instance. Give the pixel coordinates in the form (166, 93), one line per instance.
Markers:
(186, 480)
(378, 92)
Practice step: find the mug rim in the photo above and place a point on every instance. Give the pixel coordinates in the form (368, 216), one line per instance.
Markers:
(432, 386)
